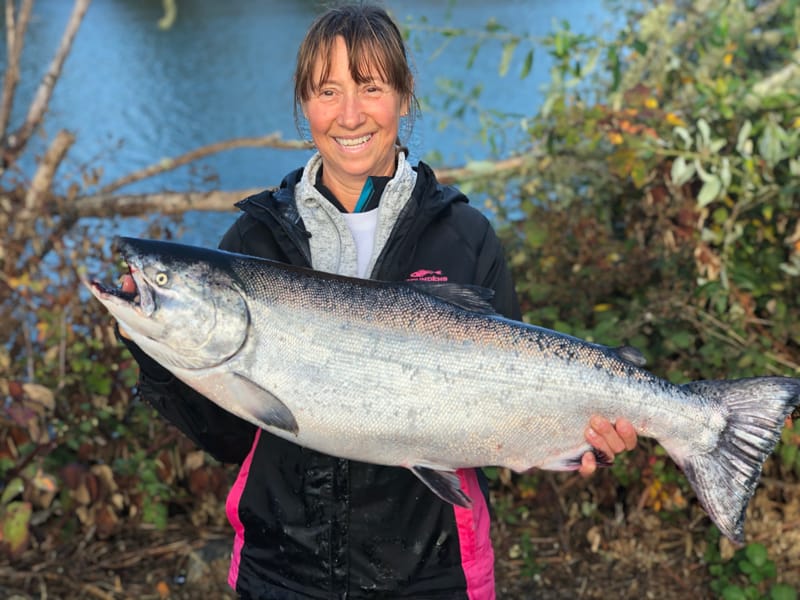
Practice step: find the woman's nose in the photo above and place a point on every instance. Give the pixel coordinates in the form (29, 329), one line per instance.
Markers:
(352, 114)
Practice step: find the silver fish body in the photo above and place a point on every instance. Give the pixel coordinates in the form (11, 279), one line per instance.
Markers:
(426, 377)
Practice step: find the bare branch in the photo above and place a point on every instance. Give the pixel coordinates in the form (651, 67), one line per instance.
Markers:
(105, 203)
(42, 183)
(168, 203)
(15, 34)
(483, 169)
(170, 14)
(41, 100)
(272, 140)
(10, 27)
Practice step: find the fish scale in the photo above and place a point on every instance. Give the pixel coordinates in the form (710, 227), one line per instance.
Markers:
(425, 376)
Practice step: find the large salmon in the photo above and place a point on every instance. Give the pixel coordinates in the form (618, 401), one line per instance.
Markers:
(426, 376)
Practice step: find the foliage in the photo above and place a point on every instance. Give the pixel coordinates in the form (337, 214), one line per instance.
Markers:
(749, 575)
(78, 453)
(658, 201)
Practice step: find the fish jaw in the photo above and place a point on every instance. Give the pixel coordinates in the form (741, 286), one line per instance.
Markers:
(185, 313)
(132, 310)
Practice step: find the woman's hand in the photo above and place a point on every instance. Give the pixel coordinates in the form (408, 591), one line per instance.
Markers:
(608, 439)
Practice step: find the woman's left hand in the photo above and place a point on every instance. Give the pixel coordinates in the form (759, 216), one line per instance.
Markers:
(608, 438)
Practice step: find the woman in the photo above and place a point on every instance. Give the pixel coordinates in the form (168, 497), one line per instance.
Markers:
(308, 525)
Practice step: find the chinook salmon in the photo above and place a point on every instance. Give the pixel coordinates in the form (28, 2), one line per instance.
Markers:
(426, 376)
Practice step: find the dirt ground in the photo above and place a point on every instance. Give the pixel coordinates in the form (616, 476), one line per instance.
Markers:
(568, 538)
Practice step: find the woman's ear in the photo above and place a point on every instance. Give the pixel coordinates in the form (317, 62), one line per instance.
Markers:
(405, 105)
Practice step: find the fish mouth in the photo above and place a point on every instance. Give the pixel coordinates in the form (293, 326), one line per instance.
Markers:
(117, 292)
(140, 299)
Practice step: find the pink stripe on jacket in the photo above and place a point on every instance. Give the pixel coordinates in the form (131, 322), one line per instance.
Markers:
(477, 554)
(232, 511)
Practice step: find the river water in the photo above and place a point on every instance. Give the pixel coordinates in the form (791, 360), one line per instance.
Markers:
(135, 94)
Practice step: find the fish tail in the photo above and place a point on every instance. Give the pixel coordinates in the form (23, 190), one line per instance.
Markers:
(726, 478)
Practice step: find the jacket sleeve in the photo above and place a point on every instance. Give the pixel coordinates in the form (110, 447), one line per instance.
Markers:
(493, 273)
(225, 436)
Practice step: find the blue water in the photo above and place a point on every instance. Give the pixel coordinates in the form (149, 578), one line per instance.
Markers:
(134, 94)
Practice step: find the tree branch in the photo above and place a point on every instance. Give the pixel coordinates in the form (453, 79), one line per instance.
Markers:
(41, 100)
(45, 173)
(484, 169)
(272, 140)
(105, 203)
(168, 203)
(15, 33)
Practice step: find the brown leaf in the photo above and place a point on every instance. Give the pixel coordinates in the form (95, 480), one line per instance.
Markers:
(106, 478)
(41, 398)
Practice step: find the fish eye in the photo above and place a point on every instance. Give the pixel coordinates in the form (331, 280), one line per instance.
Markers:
(162, 278)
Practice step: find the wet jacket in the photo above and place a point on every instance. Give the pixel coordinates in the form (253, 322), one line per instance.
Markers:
(309, 525)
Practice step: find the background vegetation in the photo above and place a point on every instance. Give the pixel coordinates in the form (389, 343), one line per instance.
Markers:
(656, 203)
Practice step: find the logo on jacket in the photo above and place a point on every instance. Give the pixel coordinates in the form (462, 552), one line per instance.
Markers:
(427, 275)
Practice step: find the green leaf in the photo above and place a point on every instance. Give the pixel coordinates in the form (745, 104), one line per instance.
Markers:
(473, 54)
(725, 172)
(733, 592)
(508, 53)
(781, 591)
(770, 144)
(683, 133)
(756, 554)
(527, 64)
(742, 147)
(14, 525)
(681, 171)
(709, 192)
(616, 72)
(14, 488)
(705, 132)
(640, 46)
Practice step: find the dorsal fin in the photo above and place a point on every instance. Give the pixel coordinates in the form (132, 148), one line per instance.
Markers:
(473, 298)
(631, 355)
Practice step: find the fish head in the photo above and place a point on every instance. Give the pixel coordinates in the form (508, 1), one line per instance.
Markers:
(187, 311)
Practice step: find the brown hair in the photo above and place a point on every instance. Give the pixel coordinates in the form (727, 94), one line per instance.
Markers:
(374, 43)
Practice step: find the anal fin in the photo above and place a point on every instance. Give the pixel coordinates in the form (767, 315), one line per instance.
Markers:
(571, 460)
(444, 484)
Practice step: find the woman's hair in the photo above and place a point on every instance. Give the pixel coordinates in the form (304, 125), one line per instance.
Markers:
(374, 46)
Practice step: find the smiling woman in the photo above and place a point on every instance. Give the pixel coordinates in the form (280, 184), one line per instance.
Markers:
(306, 523)
(354, 84)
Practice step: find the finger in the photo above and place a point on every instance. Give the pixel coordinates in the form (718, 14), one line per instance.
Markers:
(598, 441)
(123, 333)
(627, 433)
(588, 465)
(605, 429)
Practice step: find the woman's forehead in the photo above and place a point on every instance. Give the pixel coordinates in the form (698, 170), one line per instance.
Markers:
(363, 62)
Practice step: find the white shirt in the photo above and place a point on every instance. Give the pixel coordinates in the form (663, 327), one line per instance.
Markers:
(362, 225)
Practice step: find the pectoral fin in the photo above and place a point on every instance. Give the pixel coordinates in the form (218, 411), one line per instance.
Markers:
(258, 405)
(444, 484)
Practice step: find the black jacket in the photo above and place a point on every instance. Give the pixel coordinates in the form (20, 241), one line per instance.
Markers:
(310, 525)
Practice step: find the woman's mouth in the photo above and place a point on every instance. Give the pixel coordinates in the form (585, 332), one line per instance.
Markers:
(353, 142)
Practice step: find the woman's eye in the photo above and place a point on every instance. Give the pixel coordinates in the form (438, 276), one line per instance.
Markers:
(162, 278)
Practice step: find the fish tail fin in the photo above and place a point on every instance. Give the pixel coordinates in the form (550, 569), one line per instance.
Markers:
(725, 479)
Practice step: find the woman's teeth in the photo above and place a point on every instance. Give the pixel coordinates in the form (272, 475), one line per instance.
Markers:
(354, 141)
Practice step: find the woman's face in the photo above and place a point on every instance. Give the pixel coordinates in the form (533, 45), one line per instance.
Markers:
(354, 126)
